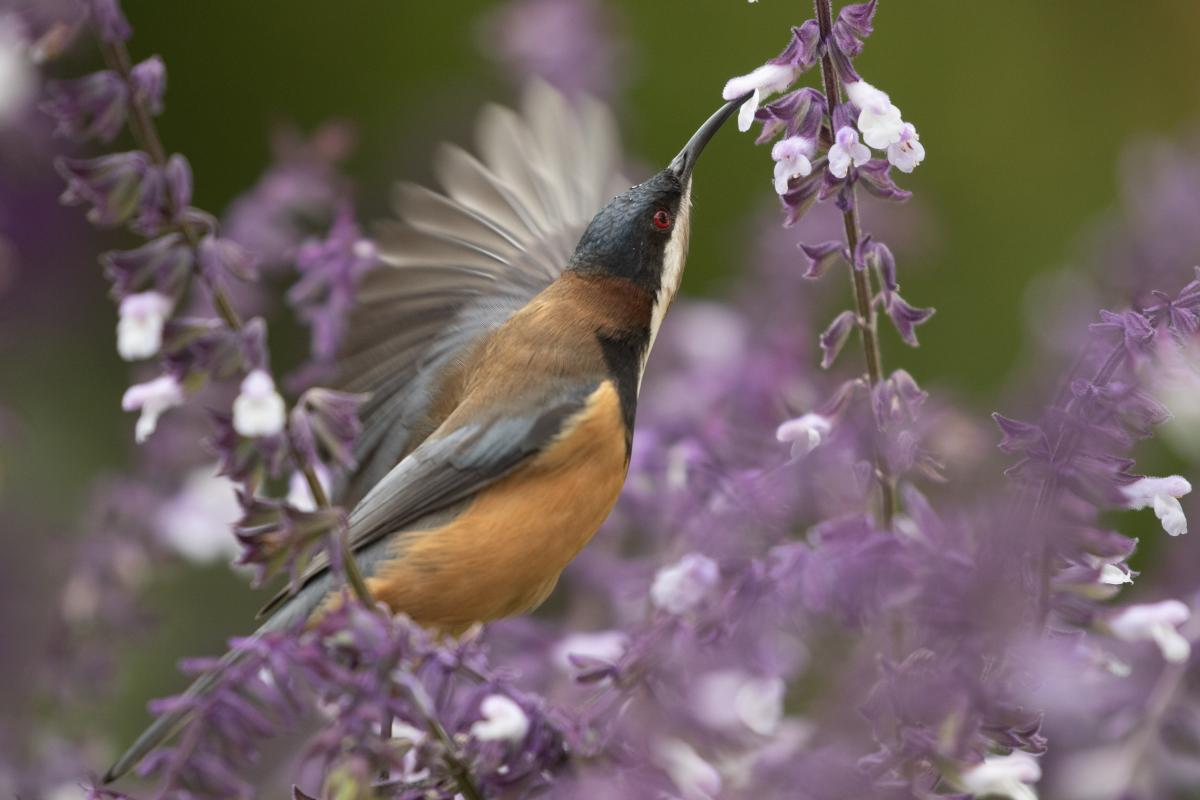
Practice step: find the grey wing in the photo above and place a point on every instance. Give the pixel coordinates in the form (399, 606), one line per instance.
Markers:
(460, 262)
(450, 467)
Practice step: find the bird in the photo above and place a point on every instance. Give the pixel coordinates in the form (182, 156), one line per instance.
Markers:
(502, 345)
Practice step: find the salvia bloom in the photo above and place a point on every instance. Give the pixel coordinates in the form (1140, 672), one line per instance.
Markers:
(782, 528)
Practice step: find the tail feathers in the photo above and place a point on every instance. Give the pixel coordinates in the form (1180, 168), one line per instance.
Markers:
(295, 612)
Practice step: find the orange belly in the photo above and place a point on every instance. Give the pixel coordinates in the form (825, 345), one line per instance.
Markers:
(503, 554)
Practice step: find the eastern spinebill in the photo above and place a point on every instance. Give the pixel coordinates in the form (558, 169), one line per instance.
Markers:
(502, 346)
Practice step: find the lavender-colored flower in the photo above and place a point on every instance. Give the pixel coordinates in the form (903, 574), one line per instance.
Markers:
(152, 399)
(140, 327)
(847, 150)
(1157, 622)
(762, 82)
(805, 433)
(906, 152)
(330, 271)
(682, 586)
(791, 157)
(1161, 494)
(878, 118)
(1008, 776)
(503, 721)
(259, 409)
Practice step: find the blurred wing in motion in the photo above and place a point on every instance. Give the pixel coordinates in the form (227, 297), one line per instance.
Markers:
(460, 262)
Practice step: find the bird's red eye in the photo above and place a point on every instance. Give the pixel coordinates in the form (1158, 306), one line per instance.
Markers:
(662, 219)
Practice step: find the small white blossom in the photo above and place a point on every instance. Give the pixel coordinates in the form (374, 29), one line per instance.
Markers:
(847, 150)
(503, 720)
(805, 433)
(258, 409)
(695, 777)
(197, 521)
(681, 586)
(906, 152)
(140, 325)
(153, 399)
(729, 698)
(879, 120)
(299, 494)
(604, 645)
(1003, 776)
(1112, 575)
(1158, 622)
(763, 82)
(18, 77)
(1161, 494)
(791, 160)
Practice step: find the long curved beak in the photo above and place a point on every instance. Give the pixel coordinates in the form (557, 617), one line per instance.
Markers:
(683, 164)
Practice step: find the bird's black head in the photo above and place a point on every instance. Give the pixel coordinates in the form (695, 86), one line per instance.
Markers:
(642, 234)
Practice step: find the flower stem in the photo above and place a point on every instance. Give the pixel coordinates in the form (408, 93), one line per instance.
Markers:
(868, 329)
(145, 132)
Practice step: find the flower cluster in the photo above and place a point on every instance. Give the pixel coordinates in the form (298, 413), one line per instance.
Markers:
(185, 259)
(813, 579)
(810, 121)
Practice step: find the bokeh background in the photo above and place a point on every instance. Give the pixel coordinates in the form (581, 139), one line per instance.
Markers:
(1033, 115)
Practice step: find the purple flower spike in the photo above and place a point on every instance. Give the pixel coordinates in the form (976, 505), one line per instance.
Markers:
(94, 107)
(833, 339)
(150, 84)
(110, 20)
(330, 271)
(115, 186)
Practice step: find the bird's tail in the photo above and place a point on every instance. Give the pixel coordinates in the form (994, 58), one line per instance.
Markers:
(294, 612)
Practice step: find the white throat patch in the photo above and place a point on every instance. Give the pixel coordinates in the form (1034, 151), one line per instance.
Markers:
(674, 258)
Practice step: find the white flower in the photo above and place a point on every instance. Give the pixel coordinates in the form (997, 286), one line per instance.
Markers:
(763, 82)
(258, 409)
(695, 777)
(879, 120)
(299, 495)
(152, 398)
(18, 77)
(1112, 575)
(1003, 776)
(603, 645)
(791, 160)
(847, 150)
(727, 698)
(503, 720)
(681, 586)
(196, 522)
(1161, 494)
(140, 326)
(1155, 621)
(906, 152)
(805, 433)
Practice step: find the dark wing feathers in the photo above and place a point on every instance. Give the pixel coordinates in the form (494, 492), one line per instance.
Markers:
(445, 469)
(460, 262)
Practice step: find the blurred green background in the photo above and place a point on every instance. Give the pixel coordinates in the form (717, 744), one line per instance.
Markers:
(1024, 107)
